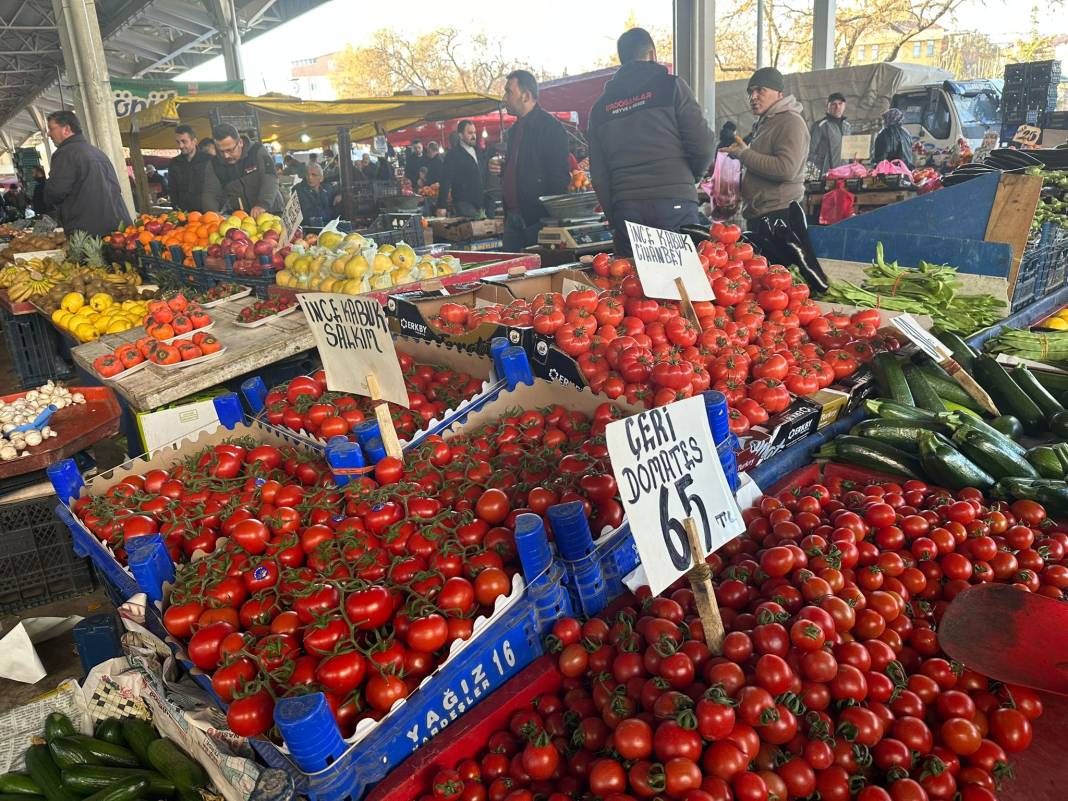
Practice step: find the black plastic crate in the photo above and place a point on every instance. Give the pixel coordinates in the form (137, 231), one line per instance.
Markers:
(1055, 245)
(34, 347)
(392, 229)
(37, 560)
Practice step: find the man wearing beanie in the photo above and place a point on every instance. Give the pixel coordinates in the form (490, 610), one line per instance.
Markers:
(826, 148)
(774, 159)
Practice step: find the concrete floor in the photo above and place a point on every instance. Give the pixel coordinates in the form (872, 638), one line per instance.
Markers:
(59, 656)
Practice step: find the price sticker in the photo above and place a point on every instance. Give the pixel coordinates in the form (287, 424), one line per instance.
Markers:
(921, 338)
(667, 469)
(662, 256)
(355, 345)
(1028, 135)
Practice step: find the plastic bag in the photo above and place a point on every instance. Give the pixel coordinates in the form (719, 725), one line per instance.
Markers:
(837, 205)
(895, 167)
(852, 170)
(726, 179)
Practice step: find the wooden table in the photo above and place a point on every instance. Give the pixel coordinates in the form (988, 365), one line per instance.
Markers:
(247, 350)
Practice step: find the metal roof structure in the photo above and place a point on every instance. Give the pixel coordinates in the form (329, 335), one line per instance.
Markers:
(142, 39)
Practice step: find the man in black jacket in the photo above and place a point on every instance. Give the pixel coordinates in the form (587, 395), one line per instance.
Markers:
(186, 171)
(83, 186)
(649, 143)
(535, 164)
(241, 176)
(464, 174)
(413, 160)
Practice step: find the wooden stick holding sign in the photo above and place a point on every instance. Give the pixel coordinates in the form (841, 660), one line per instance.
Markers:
(700, 577)
(385, 420)
(686, 305)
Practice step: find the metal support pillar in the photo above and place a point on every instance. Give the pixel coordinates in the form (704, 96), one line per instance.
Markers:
(823, 12)
(41, 122)
(760, 34)
(695, 50)
(225, 16)
(344, 163)
(83, 54)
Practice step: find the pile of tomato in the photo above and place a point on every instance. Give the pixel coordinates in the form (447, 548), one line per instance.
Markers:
(831, 684)
(305, 404)
(762, 342)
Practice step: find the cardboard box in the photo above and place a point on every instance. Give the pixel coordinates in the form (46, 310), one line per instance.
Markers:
(832, 404)
(462, 229)
(800, 420)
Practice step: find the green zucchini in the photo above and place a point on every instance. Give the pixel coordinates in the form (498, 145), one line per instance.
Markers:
(963, 353)
(1007, 395)
(128, 789)
(1008, 425)
(900, 434)
(892, 410)
(948, 467)
(168, 759)
(1058, 424)
(20, 797)
(67, 753)
(110, 731)
(18, 784)
(104, 753)
(1057, 383)
(871, 454)
(1026, 380)
(948, 389)
(58, 725)
(88, 779)
(46, 775)
(956, 420)
(890, 378)
(1045, 460)
(929, 365)
(921, 389)
(139, 734)
(986, 453)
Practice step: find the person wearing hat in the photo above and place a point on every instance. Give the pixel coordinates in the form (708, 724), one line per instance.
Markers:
(774, 160)
(826, 149)
(893, 141)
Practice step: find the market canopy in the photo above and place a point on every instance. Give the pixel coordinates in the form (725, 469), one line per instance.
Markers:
(297, 123)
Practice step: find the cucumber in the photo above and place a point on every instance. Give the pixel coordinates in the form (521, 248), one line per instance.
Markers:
(1007, 395)
(871, 454)
(104, 753)
(921, 389)
(58, 725)
(110, 731)
(1045, 460)
(66, 753)
(892, 410)
(900, 434)
(128, 789)
(948, 467)
(963, 353)
(169, 760)
(46, 775)
(88, 779)
(950, 390)
(986, 453)
(1026, 380)
(18, 784)
(138, 735)
(890, 378)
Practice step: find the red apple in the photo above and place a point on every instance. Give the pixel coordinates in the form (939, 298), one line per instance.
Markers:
(263, 247)
(278, 261)
(215, 251)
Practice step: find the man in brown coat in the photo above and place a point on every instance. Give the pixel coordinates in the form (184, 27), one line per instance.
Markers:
(774, 159)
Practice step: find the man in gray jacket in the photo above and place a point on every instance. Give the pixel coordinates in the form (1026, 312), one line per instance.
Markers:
(242, 176)
(649, 143)
(774, 159)
(825, 150)
(83, 187)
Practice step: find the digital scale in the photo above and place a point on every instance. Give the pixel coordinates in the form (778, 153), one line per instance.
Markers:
(582, 234)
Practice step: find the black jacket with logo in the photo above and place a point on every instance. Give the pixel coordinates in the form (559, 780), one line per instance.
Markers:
(187, 180)
(542, 167)
(465, 177)
(648, 137)
(252, 180)
(84, 190)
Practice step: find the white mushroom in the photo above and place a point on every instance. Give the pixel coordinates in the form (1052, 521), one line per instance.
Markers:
(8, 452)
(78, 397)
(33, 438)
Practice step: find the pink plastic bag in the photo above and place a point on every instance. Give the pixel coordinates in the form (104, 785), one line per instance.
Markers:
(843, 171)
(895, 167)
(837, 205)
(726, 179)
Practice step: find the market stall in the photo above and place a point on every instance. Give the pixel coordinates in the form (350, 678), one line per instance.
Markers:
(485, 504)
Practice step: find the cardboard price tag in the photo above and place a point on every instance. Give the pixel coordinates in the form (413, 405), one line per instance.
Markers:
(353, 339)
(919, 336)
(1029, 135)
(662, 256)
(856, 147)
(292, 217)
(667, 469)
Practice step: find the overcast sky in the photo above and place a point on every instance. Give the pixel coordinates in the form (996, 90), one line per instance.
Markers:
(556, 35)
